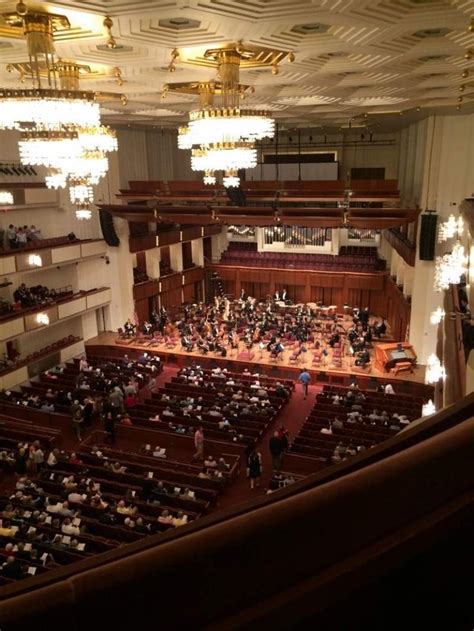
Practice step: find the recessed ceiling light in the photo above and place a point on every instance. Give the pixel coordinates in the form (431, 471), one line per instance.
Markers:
(433, 57)
(119, 48)
(311, 28)
(432, 32)
(179, 23)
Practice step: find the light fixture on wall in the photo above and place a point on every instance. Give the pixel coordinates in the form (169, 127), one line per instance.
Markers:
(35, 260)
(428, 408)
(6, 198)
(437, 315)
(450, 268)
(42, 318)
(435, 371)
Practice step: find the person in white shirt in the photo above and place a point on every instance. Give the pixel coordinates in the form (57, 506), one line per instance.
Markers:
(389, 389)
(69, 529)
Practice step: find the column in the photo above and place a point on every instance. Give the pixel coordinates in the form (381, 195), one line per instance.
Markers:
(176, 257)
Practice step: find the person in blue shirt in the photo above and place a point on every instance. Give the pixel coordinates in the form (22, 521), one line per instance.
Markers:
(305, 380)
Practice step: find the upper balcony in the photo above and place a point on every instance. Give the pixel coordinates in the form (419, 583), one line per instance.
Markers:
(45, 253)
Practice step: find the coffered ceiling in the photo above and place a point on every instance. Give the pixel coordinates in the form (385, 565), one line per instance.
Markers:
(365, 60)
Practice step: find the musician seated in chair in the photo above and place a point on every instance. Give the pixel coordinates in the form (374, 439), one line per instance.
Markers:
(187, 343)
(363, 359)
(334, 339)
(277, 349)
(147, 327)
(380, 328)
(129, 328)
(203, 347)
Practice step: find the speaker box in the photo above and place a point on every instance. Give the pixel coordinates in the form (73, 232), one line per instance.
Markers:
(108, 228)
(428, 236)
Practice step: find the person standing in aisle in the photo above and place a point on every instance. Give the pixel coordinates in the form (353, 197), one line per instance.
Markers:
(305, 380)
(255, 468)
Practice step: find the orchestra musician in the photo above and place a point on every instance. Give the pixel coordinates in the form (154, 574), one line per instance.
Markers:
(147, 327)
(284, 295)
(187, 343)
(276, 296)
(129, 328)
(363, 358)
(380, 328)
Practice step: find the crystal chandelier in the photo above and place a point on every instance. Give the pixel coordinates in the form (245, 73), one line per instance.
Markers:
(216, 126)
(437, 315)
(230, 179)
(428, 408)
(209, 178)
(450, 228)
(6, 198)
(435, 371)
(225, 157)
(54, 100)
(449, 268)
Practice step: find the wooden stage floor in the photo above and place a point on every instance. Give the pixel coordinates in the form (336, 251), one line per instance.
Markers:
(259, 360)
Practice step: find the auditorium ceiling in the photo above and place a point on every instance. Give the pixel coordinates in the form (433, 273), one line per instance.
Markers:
(356, 62)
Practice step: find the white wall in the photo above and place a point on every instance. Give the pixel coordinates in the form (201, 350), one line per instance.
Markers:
(436, 170)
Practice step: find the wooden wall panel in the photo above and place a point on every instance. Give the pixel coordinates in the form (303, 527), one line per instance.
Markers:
(172, 299)
(374, 290)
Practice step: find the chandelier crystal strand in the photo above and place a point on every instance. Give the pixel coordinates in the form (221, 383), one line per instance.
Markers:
(226, 157)
(230, 180)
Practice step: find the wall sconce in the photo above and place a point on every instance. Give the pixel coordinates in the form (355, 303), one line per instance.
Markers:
(35, 260)
(42, 318)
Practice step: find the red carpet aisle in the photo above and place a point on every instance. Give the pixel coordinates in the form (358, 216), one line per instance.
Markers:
(293, 416)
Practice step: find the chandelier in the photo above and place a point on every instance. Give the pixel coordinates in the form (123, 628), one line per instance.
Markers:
(222, 135)
(54, 100)
(6, 198)
(450, 268)
(437, 315)
(435, 371)
(59, 123)
(225, 157)
(450, 228)
(428, 408)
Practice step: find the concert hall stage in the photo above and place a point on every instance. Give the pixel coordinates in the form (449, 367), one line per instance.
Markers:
(109, 344)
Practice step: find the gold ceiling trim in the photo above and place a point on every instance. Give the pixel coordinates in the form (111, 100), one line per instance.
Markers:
(250, 56)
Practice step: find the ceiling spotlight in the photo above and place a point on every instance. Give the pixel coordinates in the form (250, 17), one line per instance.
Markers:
(465, 74)
(275, 69)
(471, 26)
(418, 108)
(468, 54)
(462, 88)
(459, 99)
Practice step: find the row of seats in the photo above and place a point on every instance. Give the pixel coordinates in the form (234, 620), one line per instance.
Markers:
(318, 438)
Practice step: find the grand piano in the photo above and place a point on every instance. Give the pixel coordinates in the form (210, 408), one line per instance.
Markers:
(399, 356)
